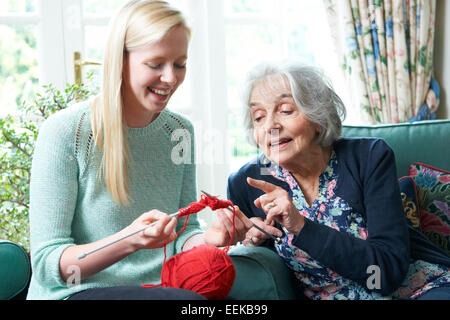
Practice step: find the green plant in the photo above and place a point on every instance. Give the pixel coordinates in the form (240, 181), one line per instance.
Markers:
(18, 134)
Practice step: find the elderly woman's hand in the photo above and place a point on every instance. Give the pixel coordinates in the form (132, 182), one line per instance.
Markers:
(278, 206)
(255, 237)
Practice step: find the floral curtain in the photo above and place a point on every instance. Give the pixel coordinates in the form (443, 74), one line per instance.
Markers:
(386, 51)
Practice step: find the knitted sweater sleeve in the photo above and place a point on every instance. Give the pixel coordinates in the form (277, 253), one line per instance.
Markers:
(387, 247)
(53, 194)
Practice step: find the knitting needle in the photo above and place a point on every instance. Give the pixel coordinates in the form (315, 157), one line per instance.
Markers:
(83, 255)
(124, 237)
(276, 239)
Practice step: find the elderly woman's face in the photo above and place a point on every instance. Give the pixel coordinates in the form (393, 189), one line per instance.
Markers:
(281, 130)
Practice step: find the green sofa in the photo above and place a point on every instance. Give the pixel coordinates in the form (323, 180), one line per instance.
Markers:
(15, 271)
(260, 273)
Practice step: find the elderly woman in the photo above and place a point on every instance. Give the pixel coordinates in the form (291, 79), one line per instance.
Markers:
(334, 201)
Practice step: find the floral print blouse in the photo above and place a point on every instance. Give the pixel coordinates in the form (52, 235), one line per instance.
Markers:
(319, 281)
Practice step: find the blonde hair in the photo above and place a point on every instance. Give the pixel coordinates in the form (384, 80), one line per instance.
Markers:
(136, 24)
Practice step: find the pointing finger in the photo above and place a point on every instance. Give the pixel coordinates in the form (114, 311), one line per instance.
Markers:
(262, 185)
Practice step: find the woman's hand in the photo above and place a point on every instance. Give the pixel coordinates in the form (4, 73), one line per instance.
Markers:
(278, 206)
(156, 236)
(221, 230)
(153, 237)
(255, 237)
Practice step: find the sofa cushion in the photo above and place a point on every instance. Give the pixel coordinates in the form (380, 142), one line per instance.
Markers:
(260, 275)
(423, 141)
(408, 192)
(433, 190)
(15, 269)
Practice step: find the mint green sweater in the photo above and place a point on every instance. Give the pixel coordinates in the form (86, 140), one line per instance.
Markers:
(68, 206)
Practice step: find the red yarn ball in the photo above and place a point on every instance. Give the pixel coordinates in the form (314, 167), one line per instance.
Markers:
(204, 269)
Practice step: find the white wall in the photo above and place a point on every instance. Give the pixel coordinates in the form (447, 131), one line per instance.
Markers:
(442, 56)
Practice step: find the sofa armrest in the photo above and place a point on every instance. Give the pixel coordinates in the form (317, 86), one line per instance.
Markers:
(260, 275)
(15, 270)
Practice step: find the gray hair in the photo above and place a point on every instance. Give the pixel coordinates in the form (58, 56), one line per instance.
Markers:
(311, 92)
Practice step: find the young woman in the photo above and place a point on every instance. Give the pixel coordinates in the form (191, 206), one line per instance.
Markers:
(104, 169)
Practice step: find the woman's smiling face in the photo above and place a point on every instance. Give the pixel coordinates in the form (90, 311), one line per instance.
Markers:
(280, 129)
(153, 73)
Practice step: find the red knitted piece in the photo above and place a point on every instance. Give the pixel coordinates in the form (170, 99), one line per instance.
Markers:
(214, 203)
(204, 269)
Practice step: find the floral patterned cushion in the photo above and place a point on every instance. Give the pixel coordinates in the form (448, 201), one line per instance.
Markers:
(408, 193)
(433, 193)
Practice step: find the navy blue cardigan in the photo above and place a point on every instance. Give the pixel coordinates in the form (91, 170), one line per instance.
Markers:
(367, 180)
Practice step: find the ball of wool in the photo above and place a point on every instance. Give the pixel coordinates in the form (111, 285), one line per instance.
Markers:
(204, 269)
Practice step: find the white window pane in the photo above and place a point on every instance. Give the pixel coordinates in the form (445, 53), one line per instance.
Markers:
(241, 149)
(300, 34)
(108, 7)
(18, 66)
(180, 101)
(311, 42)
(304, 9)
(308, 31)
(94, 37)
(17, 6)
(102, 7)
(298, 49)
(246, 46)
(250, 6)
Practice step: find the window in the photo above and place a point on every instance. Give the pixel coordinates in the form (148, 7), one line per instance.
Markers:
(267, 30)
(18, 50)
(38, 39)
